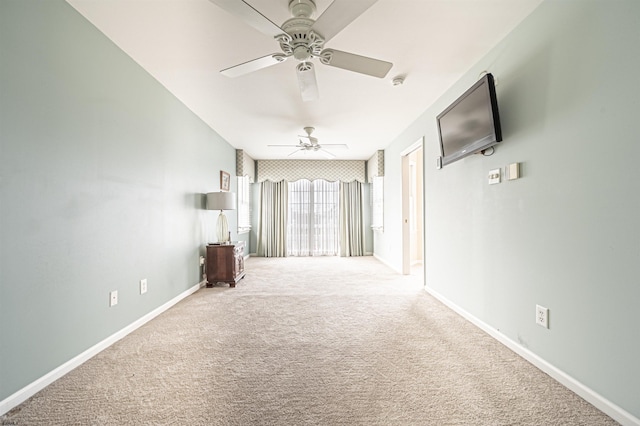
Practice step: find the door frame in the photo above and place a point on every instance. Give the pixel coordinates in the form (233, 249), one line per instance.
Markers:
(406, 214)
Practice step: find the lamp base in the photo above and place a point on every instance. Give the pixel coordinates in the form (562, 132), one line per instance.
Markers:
(222, 228)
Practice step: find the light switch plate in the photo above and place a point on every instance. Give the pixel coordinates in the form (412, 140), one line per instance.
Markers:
(513, 171)
(494, 176)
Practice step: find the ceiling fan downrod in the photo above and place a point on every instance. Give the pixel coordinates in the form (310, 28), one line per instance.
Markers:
(302, 8)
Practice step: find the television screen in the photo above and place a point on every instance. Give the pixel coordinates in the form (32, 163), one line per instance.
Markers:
(471, 123)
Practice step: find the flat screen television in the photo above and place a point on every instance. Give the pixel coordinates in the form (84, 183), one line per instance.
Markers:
(471, 124)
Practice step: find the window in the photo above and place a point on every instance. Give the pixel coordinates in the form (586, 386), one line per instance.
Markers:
(377, 203)
(313, 227)
(244, 204)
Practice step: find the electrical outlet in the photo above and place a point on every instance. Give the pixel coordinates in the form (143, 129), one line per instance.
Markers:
(494, 176)
(542, 316)
(201, 260)
(113, 298)
(143, 286)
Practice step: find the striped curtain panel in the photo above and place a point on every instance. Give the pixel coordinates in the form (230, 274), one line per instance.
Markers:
(272, 227)
(351, 221)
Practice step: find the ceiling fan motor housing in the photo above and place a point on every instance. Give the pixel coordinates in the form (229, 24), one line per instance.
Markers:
(302, 43)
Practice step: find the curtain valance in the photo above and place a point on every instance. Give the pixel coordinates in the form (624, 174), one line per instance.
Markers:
(293, 170)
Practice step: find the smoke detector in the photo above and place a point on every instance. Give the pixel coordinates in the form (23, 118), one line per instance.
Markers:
(398, 80)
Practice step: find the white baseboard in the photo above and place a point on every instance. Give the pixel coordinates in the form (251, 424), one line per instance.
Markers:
(31, 389)
(601, 403)
(368, 253)
(387, 263)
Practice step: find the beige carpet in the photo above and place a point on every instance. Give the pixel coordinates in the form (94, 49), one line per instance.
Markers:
(321, 341)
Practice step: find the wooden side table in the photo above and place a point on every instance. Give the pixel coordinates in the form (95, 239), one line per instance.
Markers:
(225, 263)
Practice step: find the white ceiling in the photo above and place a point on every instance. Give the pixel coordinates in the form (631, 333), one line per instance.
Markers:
(185, 43)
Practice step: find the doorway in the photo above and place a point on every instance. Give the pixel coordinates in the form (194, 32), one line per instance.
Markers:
(412, 210)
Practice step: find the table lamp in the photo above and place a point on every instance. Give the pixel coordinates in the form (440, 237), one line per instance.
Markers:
(221, 201)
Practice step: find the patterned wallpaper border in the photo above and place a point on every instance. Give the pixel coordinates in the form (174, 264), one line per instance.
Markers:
(245, 165)
(375, 165)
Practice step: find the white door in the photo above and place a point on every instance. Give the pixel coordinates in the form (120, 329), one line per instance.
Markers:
(412, 210)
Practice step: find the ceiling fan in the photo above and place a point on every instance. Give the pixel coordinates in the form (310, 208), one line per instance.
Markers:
(311, 145)
(303, 38)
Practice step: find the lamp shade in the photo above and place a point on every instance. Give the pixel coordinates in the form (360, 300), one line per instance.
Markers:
(221, 201)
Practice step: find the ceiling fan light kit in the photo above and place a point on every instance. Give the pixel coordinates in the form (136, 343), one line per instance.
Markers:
(303, 38)
(307, 81)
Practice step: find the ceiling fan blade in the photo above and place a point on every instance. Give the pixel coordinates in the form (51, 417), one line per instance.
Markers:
(325, 154)
(296, 151)
(251, 16)
(253, 65)
(282, 146)
(307, 81)
(336, 145)
(355, 63)
(338, 15)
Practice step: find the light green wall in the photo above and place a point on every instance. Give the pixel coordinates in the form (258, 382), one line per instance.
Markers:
(102, 173)
(567, 234)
